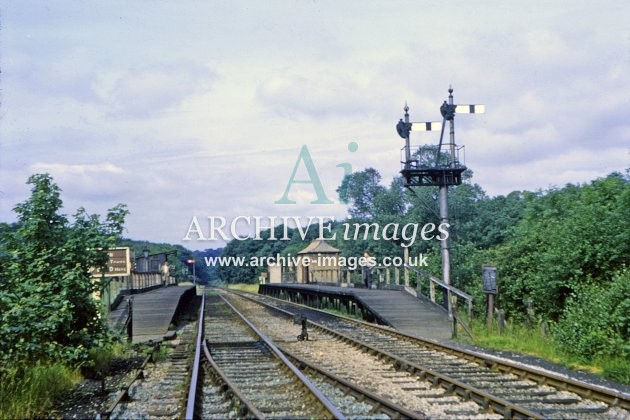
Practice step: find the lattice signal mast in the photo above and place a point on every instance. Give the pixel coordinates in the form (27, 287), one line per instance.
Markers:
(440, 174)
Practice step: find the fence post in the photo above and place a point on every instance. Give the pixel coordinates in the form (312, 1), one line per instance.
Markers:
(490, 310)
(406, 260)
(500, 320)
(529, 312)
(454, 308)
(130, 319)
(109, 294)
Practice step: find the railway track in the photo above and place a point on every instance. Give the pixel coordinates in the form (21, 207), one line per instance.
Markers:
(501, 387)
(265, 379)
(157, 392)
(264, 382)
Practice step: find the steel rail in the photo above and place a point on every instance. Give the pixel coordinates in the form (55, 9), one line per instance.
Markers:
(585, 390)
(123, 394)
(194, 379)
(330, 407)
(451, 385)
(378, 400)
(251, 408)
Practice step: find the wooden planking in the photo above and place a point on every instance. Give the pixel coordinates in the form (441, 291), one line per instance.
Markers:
(153, 312)
(399, 309)
(407, 313)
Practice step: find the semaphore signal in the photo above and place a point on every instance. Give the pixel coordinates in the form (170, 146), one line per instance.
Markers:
(418, 173)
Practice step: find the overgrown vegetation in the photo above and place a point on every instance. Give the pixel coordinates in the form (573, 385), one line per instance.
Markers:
(537, 341)
(46, 292)
(594, 323)
(244, 287)
(49, 319)
(569, 238)
(26, 390)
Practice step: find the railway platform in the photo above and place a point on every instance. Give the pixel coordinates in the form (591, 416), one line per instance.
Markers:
(396, 308)
(154, 311)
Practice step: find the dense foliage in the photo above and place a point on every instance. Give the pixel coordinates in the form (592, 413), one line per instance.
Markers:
(568, 237)
(596, 320)
(47, 311)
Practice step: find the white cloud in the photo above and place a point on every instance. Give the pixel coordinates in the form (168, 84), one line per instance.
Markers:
(102, 185)
(572, 166)
(62, 169)
(142, 93)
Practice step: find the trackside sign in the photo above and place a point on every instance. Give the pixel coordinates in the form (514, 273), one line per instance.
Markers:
(118, 264)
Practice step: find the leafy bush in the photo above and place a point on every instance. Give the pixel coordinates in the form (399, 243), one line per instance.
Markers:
(569, 237)
(48, 312)
(595, 321)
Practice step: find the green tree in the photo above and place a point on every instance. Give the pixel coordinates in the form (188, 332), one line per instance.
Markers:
(47, 308)
(568, 237)
(360, 190)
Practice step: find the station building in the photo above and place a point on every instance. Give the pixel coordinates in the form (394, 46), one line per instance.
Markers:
(317, 263)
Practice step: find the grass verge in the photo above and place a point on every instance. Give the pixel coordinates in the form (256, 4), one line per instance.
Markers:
(29, 391)
(245, 287)
(535, 342)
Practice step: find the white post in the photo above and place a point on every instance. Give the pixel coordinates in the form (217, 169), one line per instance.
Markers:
(406, 259)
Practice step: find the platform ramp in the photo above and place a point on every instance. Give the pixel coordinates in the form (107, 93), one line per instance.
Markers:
(406, 313)
(153, 312)
(396, 308)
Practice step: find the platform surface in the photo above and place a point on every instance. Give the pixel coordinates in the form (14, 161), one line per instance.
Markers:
(399, 309)
(153, 312)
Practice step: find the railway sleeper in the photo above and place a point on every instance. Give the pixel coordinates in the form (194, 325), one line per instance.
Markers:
(510, 382)
(477, 374)
(263, 367)
(230, 344)
(252, 387)
(445, 400)
(516, 386)
(556, 400)
(510, 394)
(251, 360)
(557, 411)
(431, 393)
(465, 413)
(455, 367)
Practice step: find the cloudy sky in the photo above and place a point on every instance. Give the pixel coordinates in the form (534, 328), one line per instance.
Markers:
(200, 108)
